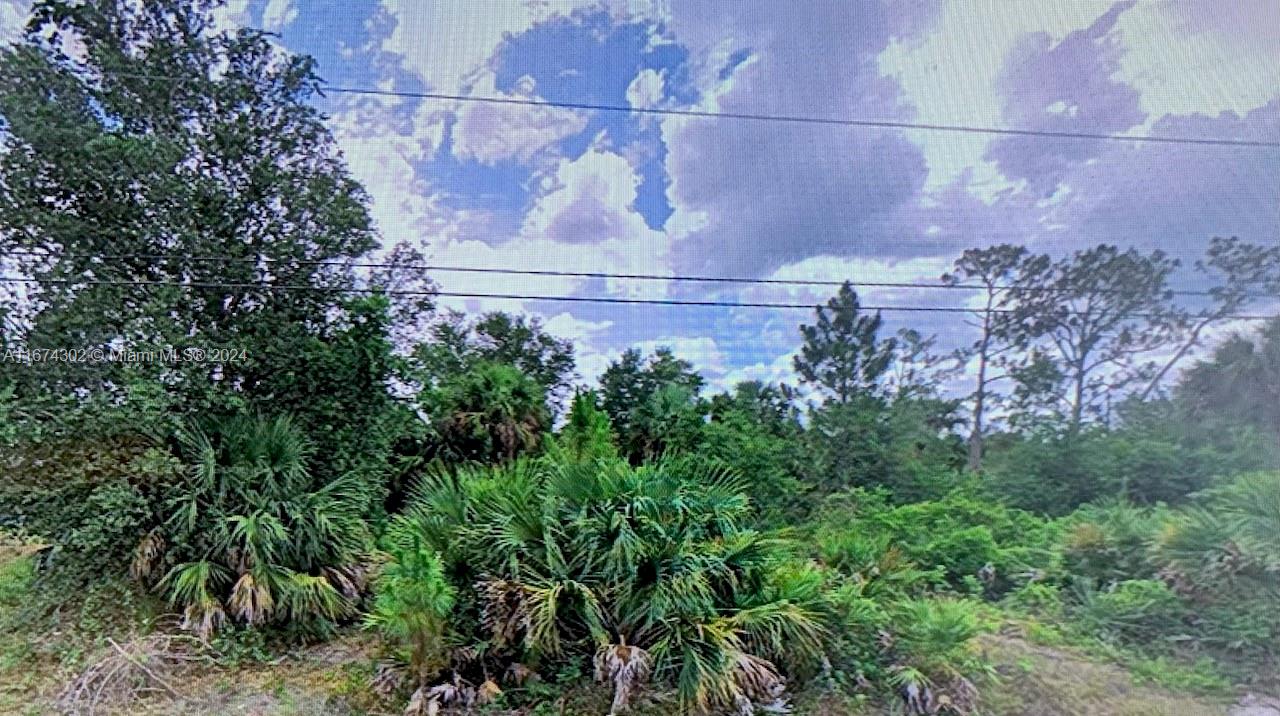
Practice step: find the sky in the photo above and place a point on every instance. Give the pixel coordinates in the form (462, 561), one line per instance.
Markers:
(520, 187)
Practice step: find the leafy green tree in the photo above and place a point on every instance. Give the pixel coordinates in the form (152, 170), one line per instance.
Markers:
(1004, 275)
(652, 404)
(413, 600)
(1241, 272)
(841, 354)
(756, 432)
(456, 345)
(908, 446)
(773, 407)
(917, 369)
(1240, 382)
(166, 142)
(491, 412)
(586, 434)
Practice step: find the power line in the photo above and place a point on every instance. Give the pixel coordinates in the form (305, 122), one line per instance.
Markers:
(535, 297)
(798, 119)
(588, 274)
(761, 117)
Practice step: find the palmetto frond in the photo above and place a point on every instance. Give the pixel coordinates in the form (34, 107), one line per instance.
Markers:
(556, 607)
(146, 556)
(625, 668)
(251, 599)
(565, 553)
(504, 610)
(194, 581)
(1252, 502)
(306, 597)
(782, 630)
(260, 536)
(256, 512)
(193, 585)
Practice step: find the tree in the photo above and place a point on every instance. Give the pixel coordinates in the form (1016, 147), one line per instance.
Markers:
(1241, 381)
(1242, 270)
(841, 354)
(756, 432)
(139, 144)
(645, 398)
(491, 413)
(773, 407)
(586, 434)
(1102, 314)
(456, 345)
(1003, 274)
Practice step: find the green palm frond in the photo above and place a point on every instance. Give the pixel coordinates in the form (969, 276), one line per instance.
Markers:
(193, 582)
(307, 597)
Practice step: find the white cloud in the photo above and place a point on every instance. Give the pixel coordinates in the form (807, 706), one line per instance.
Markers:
(13, 19)
(568, 326)
(489, 133)
(925, 270)
(949, 76)
(588, 202)
(448, 43)
(383, 160)
(779, 370)
(278, 14)
(1201, 57)
(232, 16)
(646, 89)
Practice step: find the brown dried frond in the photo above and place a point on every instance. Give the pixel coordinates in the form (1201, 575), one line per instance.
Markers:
(519, 674)
(146, 556)
(388, 677)
(487, 692)
(350, 580)
(251, 600)
(504, 610)
(203, 618)
(119, 675)
(758, 679)
(626, 667)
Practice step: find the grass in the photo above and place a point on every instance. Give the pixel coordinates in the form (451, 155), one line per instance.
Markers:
(1066, 681)
(18, 653)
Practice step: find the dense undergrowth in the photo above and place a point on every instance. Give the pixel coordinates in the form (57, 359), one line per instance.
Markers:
(441, 498)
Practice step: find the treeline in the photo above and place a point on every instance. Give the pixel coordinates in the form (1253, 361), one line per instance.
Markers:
(374, 460)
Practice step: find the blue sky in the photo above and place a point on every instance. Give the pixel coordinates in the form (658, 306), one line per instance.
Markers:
(543, 188)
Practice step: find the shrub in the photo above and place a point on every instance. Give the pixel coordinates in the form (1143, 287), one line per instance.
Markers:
(934, 654)
(90, 500)
(414, 600)
(1221, 554)
(253, 535)
(959, 536)
(1109, 541)
(1037, 598)
(642, 569)
(1136, 610)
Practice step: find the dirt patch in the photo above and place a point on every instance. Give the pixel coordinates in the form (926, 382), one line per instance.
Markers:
(1044, 681)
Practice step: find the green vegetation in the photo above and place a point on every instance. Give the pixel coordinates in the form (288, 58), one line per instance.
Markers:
(440, 501)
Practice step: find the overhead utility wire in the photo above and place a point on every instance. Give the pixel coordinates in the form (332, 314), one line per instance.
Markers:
(590, 274)
(538, 297)
(760, 117)
(798, 119)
